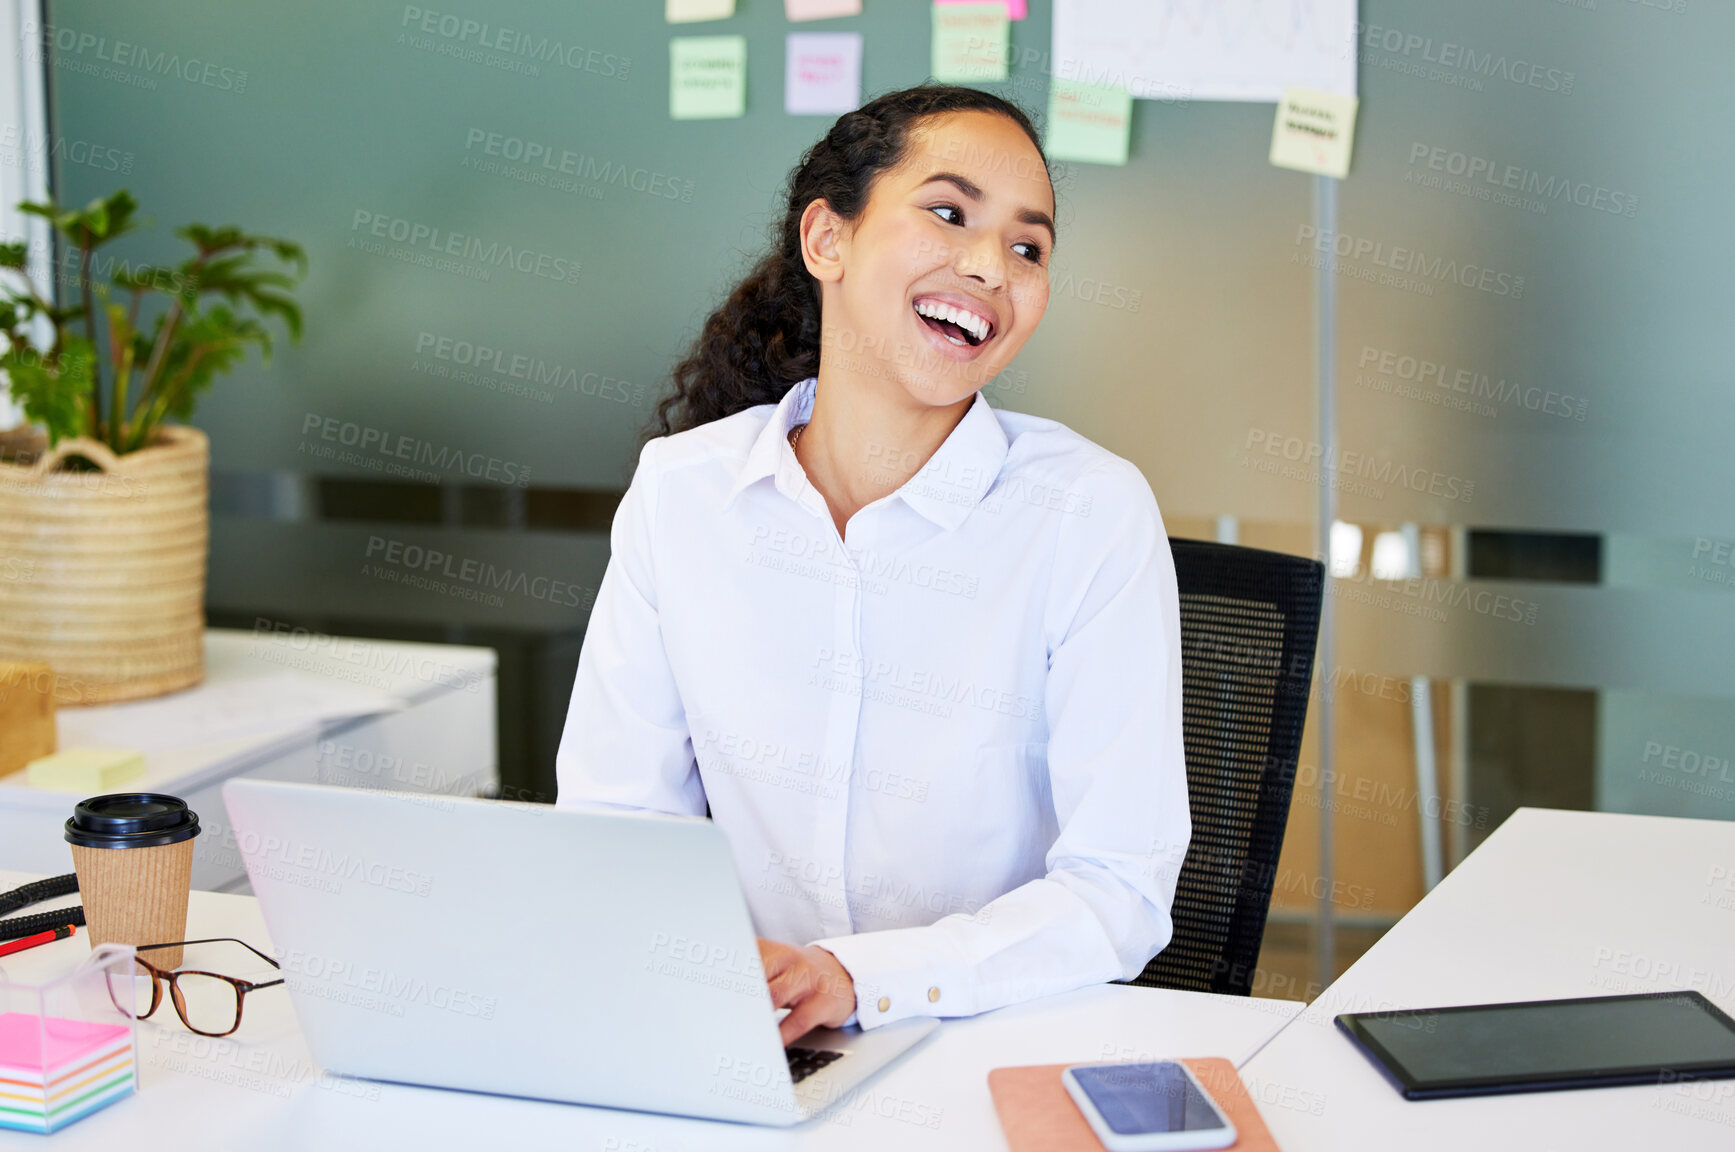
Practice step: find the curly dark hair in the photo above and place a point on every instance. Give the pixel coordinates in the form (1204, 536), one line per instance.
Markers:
(765, 337)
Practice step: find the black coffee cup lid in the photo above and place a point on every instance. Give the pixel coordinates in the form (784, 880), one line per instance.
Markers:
(131, 820)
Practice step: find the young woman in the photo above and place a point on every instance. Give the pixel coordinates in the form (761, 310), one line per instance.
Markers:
(919, 657)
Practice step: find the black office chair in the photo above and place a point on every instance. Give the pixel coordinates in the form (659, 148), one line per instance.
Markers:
(1249, 623)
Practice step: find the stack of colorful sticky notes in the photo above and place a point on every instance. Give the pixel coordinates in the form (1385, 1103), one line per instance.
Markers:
(55, 1071)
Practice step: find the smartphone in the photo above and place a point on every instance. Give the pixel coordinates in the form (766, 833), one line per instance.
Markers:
(1148, 1107)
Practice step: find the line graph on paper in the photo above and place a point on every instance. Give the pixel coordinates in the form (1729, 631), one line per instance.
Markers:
(1207, 49)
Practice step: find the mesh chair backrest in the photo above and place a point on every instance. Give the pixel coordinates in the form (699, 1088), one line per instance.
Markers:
(1249, 622)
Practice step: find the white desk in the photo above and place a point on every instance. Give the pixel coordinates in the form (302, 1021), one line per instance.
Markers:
(1554, 904)
(258, 1091)
(417, 717)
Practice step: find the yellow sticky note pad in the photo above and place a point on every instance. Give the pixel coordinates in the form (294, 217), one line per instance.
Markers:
(970, 42)
(1089, 123)
(820, 9)
(1314, 132)
(707, 77)
(687, 11)
(91, 771)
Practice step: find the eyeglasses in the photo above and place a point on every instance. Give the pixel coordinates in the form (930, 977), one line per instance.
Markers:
(208, 1003)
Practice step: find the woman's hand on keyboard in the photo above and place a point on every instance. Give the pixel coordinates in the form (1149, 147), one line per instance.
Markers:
(811, 983)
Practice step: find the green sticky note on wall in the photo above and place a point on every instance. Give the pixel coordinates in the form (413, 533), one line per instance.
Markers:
(1088, 123)
(707, 77)
(970, 41)
(686, 11)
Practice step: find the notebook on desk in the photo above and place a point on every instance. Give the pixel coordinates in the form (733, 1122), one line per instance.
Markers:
(520, 949)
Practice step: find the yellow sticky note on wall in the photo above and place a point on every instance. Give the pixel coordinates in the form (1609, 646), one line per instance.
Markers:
(687, 11)
(1314, 132)
(1087, 122)
(820, 9)
(707, 77)
(970, 42)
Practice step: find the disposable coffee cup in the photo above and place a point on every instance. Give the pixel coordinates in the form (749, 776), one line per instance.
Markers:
(133, 852)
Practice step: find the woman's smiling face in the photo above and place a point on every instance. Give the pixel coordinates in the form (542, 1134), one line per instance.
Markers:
(944, 275)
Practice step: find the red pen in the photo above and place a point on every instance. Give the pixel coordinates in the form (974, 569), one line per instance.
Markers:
(59, 933)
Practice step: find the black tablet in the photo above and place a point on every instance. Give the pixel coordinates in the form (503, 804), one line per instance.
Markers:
(1544, 1045)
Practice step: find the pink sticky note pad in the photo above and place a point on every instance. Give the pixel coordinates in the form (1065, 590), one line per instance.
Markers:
(1015, 9)
(25, 1043)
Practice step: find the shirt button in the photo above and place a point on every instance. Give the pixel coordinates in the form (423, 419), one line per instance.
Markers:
(933, 995)
(885, 1004)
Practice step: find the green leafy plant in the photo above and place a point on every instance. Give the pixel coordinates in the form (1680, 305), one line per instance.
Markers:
(110, 380)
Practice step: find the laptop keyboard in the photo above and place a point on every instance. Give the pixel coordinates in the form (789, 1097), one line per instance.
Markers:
(804, 1062)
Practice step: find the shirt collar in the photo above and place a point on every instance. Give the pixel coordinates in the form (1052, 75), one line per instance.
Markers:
(952, 482)
(771, 454)
(960, 473)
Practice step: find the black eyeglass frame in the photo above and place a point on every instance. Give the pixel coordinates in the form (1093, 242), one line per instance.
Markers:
(159, 976)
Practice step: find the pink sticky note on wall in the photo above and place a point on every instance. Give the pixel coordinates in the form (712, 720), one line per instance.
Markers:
(1015, 9)
(823, 73)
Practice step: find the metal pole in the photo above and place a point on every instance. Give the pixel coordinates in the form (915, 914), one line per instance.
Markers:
(1428, 800)
(1458, 766)
(1325, 383)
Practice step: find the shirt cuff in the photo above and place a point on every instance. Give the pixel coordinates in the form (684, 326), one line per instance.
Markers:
(897, 977)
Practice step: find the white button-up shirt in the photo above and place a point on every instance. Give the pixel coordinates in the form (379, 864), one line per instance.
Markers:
(947, 748)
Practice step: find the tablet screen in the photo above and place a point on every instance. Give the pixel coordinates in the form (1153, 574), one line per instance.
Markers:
(1549, 1042)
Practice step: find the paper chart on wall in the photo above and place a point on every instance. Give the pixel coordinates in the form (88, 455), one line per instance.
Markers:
(1207, 49)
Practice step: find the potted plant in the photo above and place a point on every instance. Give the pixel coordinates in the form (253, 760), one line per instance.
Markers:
(103, 511)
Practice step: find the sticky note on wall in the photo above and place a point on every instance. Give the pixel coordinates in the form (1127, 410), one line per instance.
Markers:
(820, 9)
(822, 74)
(970, 42)
(707, 77)
(1088, 123)
(1315, 132)
(687, 11)
(1015, 9)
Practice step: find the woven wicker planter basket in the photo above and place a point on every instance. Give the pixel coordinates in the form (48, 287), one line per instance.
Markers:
(102, 574)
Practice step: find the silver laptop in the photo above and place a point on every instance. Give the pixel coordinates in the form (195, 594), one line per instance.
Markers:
(525, 950)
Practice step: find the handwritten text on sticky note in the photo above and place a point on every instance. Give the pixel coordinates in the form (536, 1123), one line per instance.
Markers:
(1088, 123)
(823, 73)
(707, 77)
(1314, 132)
(970, 42)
